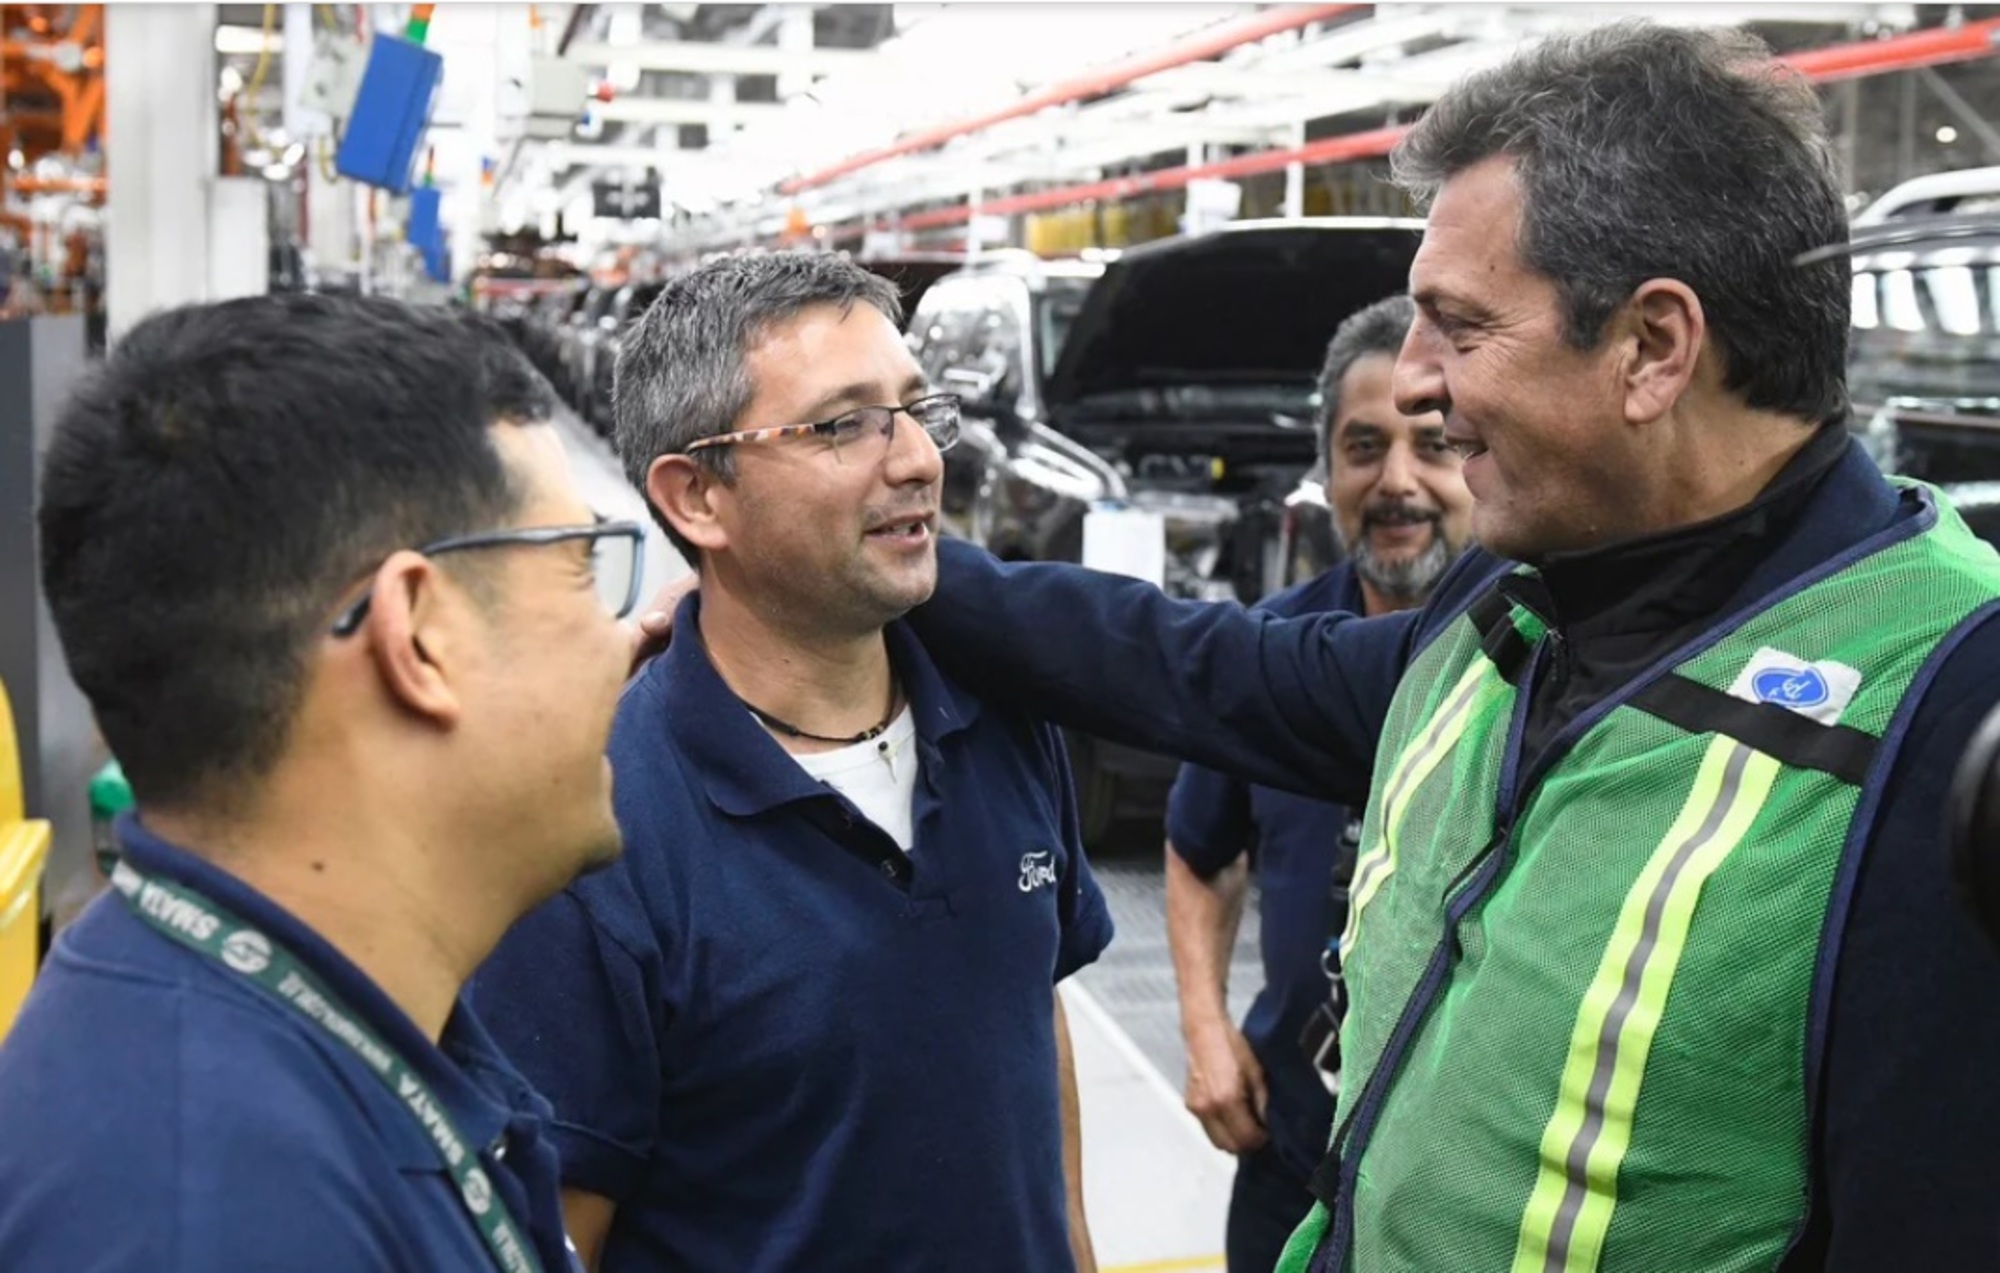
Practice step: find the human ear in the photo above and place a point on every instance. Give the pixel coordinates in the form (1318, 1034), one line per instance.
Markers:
(415, 635)
(689, 495)
(1666, 328)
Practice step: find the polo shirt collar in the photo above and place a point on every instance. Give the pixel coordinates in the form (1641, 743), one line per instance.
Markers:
(1343, 589)
(479, 1107)
(741, 767)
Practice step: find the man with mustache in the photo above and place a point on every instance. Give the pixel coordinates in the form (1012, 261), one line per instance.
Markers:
(1402, 510)
(809, 1022)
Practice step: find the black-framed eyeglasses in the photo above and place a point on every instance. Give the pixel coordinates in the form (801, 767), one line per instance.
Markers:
(615, 558)
(937, 415)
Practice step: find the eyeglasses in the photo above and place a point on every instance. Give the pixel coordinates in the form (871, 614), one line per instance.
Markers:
(614, 561)
(937, 416)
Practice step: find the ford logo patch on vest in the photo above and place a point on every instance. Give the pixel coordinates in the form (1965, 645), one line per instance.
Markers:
(1821, 690)
(1790, 687)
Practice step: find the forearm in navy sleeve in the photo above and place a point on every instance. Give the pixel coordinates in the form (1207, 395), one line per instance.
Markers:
(1209, 821)
(1906, 1177)
(1292, 703)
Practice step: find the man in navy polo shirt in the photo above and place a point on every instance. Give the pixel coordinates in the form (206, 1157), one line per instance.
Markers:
(809, 1022)
(320, 568)
(1401, 509)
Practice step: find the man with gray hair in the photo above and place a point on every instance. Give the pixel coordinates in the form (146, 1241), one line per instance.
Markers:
(1653, 952)
(1399, 502)
(1261, 1091)
(809, 1020)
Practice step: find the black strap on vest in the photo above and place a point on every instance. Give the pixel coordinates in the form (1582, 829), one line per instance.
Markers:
(1325, 1182)
(1778, 732)
(1493, 617)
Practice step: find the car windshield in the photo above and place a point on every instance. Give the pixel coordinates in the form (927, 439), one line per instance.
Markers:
(1926, 325)
(1924, 348)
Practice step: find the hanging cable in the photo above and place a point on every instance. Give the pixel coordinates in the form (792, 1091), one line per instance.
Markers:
(244, 101)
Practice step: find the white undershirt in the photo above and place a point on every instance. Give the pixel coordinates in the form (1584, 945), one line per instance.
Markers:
(878, 776)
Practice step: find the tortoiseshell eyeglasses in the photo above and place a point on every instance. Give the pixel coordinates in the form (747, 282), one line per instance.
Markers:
(860, 430)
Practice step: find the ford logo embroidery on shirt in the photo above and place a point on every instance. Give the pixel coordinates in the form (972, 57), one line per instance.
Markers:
(1036, 871)
(1790, 687)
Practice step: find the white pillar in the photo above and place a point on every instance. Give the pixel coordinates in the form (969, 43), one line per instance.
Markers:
(160, 157)
(239, 238)
(795, 35)
(1295, 179)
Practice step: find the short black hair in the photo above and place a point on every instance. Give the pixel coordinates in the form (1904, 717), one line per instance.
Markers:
(215, 486)
(1665, 152)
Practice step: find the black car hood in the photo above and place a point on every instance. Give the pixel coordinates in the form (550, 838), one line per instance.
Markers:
(1247, 306)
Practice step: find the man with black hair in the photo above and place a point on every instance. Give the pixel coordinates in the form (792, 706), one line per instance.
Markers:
(1401, 510)
(1654, 957)
(319, 567)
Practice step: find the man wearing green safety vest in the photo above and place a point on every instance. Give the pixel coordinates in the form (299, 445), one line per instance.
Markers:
(1654, 957)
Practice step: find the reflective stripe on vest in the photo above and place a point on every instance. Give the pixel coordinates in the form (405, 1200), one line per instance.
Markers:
(1431, 746)
(1584, 1143)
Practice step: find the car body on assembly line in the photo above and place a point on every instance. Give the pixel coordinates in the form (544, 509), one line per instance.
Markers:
(1924, 350)
(1178, 379)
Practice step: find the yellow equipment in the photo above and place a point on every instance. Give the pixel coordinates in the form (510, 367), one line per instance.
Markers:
(24, 851)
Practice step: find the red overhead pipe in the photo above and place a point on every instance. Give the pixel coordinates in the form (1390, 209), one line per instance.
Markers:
(1935, 47)
(1821, 66)
(1092, 83)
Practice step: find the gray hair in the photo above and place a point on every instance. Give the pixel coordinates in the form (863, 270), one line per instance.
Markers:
(1378, 329)
(681, 374)
(1659, 152)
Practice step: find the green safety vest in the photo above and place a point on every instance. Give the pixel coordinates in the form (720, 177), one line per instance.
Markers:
(1580, 1024)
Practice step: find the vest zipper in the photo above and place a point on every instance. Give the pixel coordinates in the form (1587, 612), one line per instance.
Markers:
(1471, 888)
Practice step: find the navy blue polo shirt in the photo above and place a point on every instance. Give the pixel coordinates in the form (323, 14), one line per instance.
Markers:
(771, 1052)
(163, 1113)
(1212, 820)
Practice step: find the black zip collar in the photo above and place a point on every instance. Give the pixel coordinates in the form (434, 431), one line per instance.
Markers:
(1657, 583)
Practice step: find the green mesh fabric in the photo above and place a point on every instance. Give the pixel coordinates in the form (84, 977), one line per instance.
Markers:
(1713, 1176)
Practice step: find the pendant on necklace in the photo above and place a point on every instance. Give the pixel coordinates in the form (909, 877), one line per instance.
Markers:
(888, 754)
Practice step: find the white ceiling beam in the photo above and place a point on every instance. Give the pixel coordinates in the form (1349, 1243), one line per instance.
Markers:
(723, 59)
(1360, 39)
(1248, 80)
(567, 154)
(1080, 146)
(685, 110)
(1274, 89)
(1528, 19)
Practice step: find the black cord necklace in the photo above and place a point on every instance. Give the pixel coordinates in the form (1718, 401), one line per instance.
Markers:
(793, 731)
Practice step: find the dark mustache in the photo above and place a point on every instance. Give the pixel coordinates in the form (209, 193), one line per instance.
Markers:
(1398, 510)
